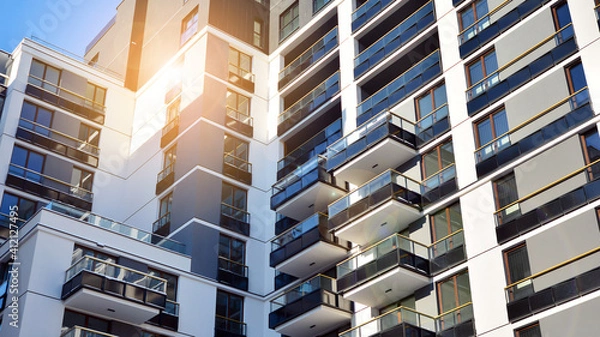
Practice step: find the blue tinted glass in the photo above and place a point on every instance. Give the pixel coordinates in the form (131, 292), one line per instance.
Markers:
(577, 77)
(19, 156)
(36, 162)
(563, 17)
(500, 123)
(8, 200)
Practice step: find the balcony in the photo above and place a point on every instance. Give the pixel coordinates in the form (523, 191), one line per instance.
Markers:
(383, 206)
(235, 219)
(228, 327)
(502, 150)
(121, 228)
(492, 25)
(439, 185)
(78, 331)
(432, 125)
(309, 57)
(510, 77)
(540, 291)
(308, 104)
(240, 122)
(8, 222)
(306, 248)
(307, 190)
(309, 149)
(162, 226)
(168, 317)
(63, 98)
(309, 309)
(112, 290)
(365, 152)
(165, 178)
(237, 168)
(401, 321)
(319, 4)
(367, 11)
(58, 142)
(399, 88)
(394, 39)
(241, 77)
(169, 132)
(48, 187)
(511, 222)
(233, 273)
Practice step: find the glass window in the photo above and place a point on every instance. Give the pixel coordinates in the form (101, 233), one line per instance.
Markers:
(81, 251)
(591, 151)
(431, 100)
(437, 159)
(72, 318)
(81, 179)
(233, 254)
(230, 306)
(45, 76)
(257, 39)
(454, 292)
(165, 205)
(289, 21)
(240, 63)
(505, 191)
(516, 264)
(27, 164)
(170, 156)
(89, 134)
(491, 127)
(36, 118)
(481, 67)
(532, 330)
(189, 26)
(446, 221)
(561, 15)
(237, 102)
(235, 147)
(95, 95)
(173, 110)
(171, 282)
(576, 78)
(472, 14)
(25, 206)
(233, 196)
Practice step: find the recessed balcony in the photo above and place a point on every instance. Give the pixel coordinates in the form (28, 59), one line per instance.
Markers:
(8, 222)
(79, 331)
(239, 122)
(235, 219)
(237, 168)
(168, 317)
(241, 77)
(308, 104)
(233, 273)
(169, 132)
(401, 321)
(386, 272)
(112, 290)
(48, 187)
(365, 152)
(162, 226)
(367, 11)
(58, 142)
(385, 205)
(306, 248)
(309, 309)
(165, 178)
(228, 327)
(66, 99)
(307, 190)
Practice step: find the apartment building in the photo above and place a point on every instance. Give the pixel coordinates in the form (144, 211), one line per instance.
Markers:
(306, 168)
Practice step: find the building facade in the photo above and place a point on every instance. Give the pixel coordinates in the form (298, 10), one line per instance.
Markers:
(306, 168)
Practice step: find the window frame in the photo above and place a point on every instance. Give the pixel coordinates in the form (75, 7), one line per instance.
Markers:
(436, 149)
(44, 131)
(294, 20)
(27, 158)
(430, 92)
(533, 325)
(457, 301)
(484, 71)
(95, 89)
(167, 202)
(258, 36)
(230, 297)
(19, 200)
(189, 26)
(476, 16)
(44, 83)
(505, 256)
(90, 132)
(83, 176)
(489, 117)
(446, 210)
(234, 189)
(237, 95)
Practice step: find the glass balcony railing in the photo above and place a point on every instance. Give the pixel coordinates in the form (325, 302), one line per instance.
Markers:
(309, 57)
(309, 103)
(236, 162)
(435, 180)
(50, 182)
(172, 308)
(384, 125)
(78, 331)
(319, 4)
(62, 92)
(241, 72)
(235, 213)
(298, 230)
(390, 320)
(394, 39)
(432, 125)
(165, 172)
(59, 137)
(310, 148)
(402, 86)
(132, 232)
(231, 266)
(388, 185)
(162, 221)
(239, 116)
(173, 124)
(367, 11)
(230, 325)
(116, 272)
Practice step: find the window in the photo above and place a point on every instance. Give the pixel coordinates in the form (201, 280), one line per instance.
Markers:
(72, 318)
(171, 282)
(95, 95)
(454, 292)
(470, 15)
(505, 192)
(81, 182)
(165, 205)
(258, 34)
(232, 254)
(189, 26)
(237, 104)
(482, 67)
(173, 110)
(240, 64)
(234, 200)
(444, 223)
(80, 251)
(317, 5)
(89, 134)
(289, 21)
(27, 164)
(235, 152)
(230, 313)
(433, 99)
(169, 157)
(562, 19)
(487, 130)
(25, 206)
(532, 330)
(36, 118)
(4, 276)
(576, 78)
(437, 159)
(44, 76)
(591, 151)
(516, 263)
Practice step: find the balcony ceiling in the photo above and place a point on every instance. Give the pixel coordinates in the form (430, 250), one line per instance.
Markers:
(314, 322)
(313, 199)
(312, 259)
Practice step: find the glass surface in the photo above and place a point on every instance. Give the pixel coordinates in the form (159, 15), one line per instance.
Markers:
(577, 77)
(518, 264)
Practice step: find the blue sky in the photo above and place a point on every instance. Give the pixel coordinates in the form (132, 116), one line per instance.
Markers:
(68, 24)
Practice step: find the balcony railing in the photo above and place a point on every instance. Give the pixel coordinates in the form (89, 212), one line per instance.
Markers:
(388, 185)
(394, 39)
(165, 172)
(310, 148)
(233, 266)
(123, 229)
(230, 325)
(319, 4)
(241, 77)
(402, 86)
(62, 92)
(384, 125)
(50, 182)
(78, 331)
(234, 218)
(366, 11)
(309, 103)
(309, 57)
(239, 121)
(298, 230)
(523, 299)
(168, 317)
(486, 28)
(8, 222)
(117, 272)
(306, 175)
(497, 84)
(233, 273)
(60, 137)
(432, 125)
(439, 184)
(162, 221)
(172, 124)
(237, 162)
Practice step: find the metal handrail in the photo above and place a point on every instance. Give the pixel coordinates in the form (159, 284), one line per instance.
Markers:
(95, 149)
(76, 331)
(236, 160)
(60, 89)
(74, 190)
(166, 171)
(337, 73)
(305, 52)
(488, 15)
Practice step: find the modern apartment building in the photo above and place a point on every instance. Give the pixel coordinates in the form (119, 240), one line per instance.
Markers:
(306, 168)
